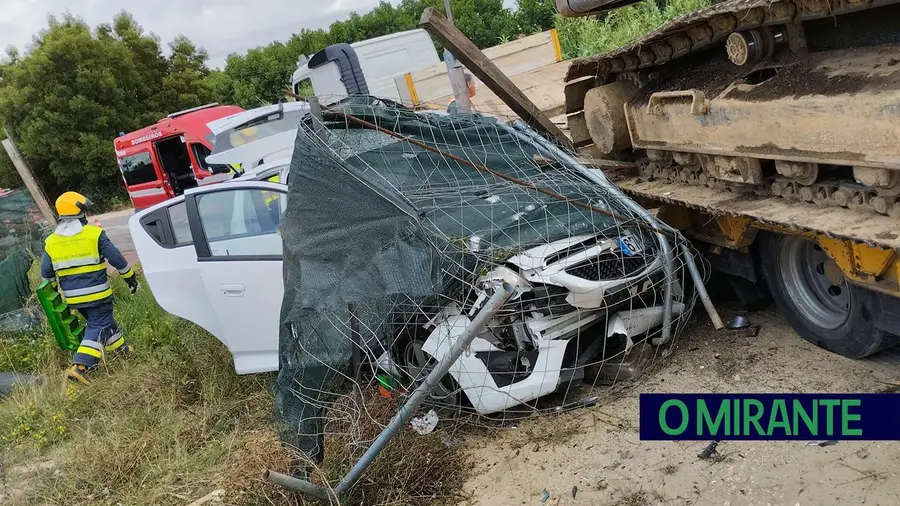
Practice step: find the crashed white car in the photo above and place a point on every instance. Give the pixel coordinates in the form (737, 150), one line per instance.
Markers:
(214, 256)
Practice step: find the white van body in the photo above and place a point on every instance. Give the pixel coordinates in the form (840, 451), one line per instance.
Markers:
(382, 60)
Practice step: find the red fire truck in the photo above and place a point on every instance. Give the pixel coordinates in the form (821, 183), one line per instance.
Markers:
(162, 160)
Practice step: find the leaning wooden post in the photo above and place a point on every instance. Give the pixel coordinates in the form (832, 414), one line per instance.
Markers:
(30, 182)
(465, 51)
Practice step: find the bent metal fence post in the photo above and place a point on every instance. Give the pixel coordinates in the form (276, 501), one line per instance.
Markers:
(479, 323)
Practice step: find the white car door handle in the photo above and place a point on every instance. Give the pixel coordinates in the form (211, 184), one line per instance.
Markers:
(233, 290)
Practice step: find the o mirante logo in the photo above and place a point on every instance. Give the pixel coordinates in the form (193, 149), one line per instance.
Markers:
(769, 416)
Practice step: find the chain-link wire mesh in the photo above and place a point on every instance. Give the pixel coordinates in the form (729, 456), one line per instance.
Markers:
(22, 230)
(399, 225)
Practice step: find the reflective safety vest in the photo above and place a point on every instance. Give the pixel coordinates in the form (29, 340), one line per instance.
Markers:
(78, 265)
(268, 196)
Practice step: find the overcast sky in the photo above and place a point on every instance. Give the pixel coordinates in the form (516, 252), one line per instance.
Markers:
(220, 26)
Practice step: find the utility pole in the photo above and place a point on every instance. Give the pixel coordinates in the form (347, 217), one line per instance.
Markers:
(456, 73)
(30, 182)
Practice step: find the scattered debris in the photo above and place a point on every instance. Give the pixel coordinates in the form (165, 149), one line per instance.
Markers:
(545, 495)
(426, 424)
(214, 497)
(738, 322)
(536, 447)
(451, 441)
(828, 442)
(583, 403)
(574, 491)
(893, 383)
(710, 450)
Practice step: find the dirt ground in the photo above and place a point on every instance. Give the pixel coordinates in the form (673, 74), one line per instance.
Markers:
(598, 449)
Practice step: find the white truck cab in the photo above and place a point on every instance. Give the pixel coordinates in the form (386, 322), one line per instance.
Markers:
(337, 71)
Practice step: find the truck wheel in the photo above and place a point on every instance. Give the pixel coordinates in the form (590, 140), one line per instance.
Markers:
(811, 292)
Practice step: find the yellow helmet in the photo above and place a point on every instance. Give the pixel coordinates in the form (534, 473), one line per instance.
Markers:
(71, 204)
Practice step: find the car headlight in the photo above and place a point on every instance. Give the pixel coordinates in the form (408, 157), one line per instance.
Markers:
(501, 275)
(489, 282)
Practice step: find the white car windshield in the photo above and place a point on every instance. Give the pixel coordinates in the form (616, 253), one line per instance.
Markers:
(254, 129)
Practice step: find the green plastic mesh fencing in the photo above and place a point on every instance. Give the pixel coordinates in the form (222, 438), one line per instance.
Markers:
(397, 226)
(22, 232)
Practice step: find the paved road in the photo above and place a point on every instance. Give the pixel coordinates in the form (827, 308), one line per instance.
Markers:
(116, 227)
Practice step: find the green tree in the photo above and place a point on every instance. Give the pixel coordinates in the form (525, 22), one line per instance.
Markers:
(8, 175)
(256, 78)
(532, 16)
(185, 83)
(9, 178)
(69, 96)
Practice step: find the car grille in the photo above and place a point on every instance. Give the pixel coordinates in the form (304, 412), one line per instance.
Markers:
(603, 268)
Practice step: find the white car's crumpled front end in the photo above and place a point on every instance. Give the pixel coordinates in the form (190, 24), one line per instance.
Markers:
(577, 289)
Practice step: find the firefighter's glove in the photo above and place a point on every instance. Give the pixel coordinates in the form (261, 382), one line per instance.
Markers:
(132, 283)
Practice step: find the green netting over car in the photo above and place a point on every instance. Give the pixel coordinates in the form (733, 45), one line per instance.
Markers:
(398, 222)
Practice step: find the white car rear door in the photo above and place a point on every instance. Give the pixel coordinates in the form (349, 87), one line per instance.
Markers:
(236, 235)
(164, 245)
(215, 258)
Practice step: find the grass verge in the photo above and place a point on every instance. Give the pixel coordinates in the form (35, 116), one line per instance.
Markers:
(164, 427)
(174, 423)
(590, 35)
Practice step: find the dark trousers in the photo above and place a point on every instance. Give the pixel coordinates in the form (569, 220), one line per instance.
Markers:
(101, 331)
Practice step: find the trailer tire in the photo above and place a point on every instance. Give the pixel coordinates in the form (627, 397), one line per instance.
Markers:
(835, 319)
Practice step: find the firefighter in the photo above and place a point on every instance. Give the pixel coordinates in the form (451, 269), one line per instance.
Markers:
(452, 108)
(75, 254)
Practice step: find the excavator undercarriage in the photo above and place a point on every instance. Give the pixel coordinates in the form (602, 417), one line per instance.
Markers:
(770, 119)
(759, 110)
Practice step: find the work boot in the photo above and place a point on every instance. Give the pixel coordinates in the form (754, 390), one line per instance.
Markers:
(78, 373)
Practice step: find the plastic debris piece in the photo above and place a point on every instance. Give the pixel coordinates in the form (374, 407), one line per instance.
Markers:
(710, 450)
(738, 322)
(829, 442)
(426, 424)
(582, 403)
(574, 491)
(545, 495)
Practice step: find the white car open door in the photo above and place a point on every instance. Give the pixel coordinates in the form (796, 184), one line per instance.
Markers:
(214, 257)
